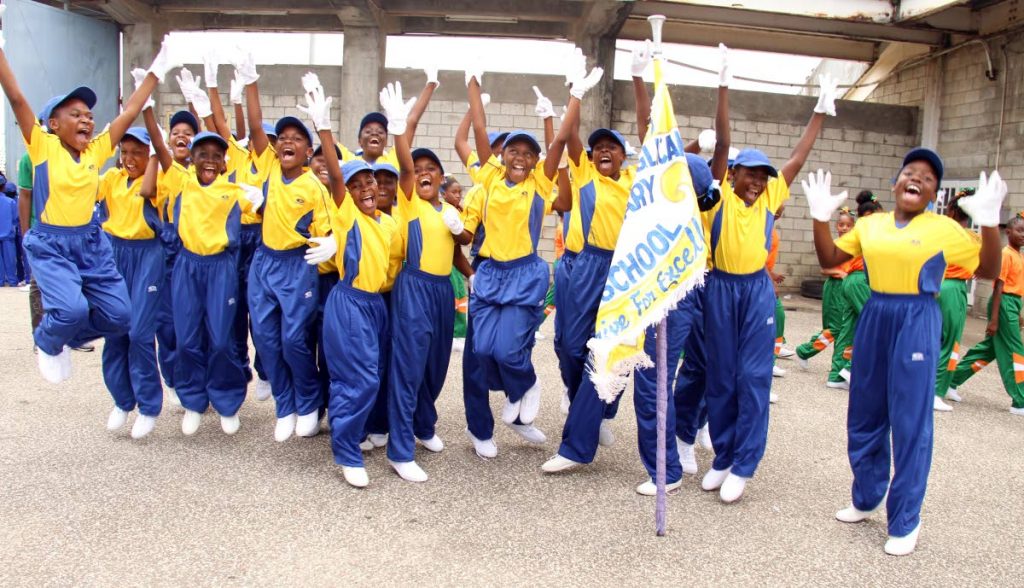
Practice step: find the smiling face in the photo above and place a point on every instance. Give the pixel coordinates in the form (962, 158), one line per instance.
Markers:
(208, 161)
(429, 178)
(749, 182)
(844, 224)
(915, 187)
(181, 141)
(364, 191)
(319, 166)
(293, 149)
(608, 157)
(453, 194)
(519, 159)
(134, 157)
(1015, 232)
(373, 139)
(72, 122)
(387, 190)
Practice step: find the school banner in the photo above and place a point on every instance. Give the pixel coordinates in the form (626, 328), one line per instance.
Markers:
(659, 257)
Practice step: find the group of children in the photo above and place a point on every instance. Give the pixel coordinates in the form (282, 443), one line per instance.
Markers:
(340, 264)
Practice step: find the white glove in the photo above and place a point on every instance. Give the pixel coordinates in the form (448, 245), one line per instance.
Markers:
(245, 69)
(210, 64)
(820, 201)
(707, 139)
(544, 108)
(317, 108)
(431, 77)
(452, 220)
(485, 99)
(193, 93)
(236, 90)
(310, 82)
(575, 67)
(581, 87)
(324, 250)
(138, 75)
(642, 57)
(630, 150)
(986, 204)
(724, 73)
(3, 41)
(827, 95)
(253, 194)
(395, 108)
(162, 62)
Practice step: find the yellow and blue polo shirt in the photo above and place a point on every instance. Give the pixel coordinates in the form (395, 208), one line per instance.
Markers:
(127, 214)
(911, 259)
(428, 244)
(741, 235)
(241, 169)
(599, 205)
(209, 218)
(64, 188)
(293, 210)
(364, 247)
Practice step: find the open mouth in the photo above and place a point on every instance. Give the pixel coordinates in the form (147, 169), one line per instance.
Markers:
(368, 199)
(374, 142)
(604, 159)
(288, 152)
(323, 175)
(913, 189)
(424, 182)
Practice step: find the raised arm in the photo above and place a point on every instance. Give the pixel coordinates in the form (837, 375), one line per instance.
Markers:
(245, 73)
(220, 120)
(398, 112)
(821, 204)
(723, 135)
(462, 146)
(581, 82)
(156, 74)
(421, 104)
(148, 188)
(984, 208)
(477, 115)
(235, 92)
(318, 109)
(156, 138)
(826, 106)
(642, 57)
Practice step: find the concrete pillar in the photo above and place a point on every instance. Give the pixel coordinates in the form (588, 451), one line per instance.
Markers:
(597, 104)
(140, 44)
(931, 108)
(361, 76)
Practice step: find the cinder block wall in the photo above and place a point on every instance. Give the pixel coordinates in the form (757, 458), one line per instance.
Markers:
(862, 146)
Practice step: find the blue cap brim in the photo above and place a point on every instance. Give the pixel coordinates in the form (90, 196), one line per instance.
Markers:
(374, 117)
(139, 134)
(424, 152)
(82, 93)
(521, 136)
(206, 137)
(385, 167)
(602, 133)
(350, 169)
(184, 116)
(269, 129)
(293, 122)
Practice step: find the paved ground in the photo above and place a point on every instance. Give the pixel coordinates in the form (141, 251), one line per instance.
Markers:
(79, 505)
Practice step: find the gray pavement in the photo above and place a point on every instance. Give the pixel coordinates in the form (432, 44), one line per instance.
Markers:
(80, 505)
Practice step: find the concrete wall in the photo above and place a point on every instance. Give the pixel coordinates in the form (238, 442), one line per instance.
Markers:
(969, 124)
(862, 146)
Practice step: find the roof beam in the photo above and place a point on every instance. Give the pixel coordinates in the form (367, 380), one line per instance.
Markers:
(520, 29)
(271, 7)
(259, 22)
(534, 10)
(879, 11)
(915, 9)
(891, 57)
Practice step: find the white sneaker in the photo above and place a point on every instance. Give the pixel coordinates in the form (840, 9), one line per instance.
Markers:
(378, 439)
(51, 367)
(952, 394)
(65, 363)
(852, 514)
(366, 446)
(732, 488)
(143, 426)
(559, 464)
(565, 401)
(785, 352)
(117, 419)
(307, 425)
(844, 374)
(484, 448)
(510, 412)
(844, 385)
(714, 478)
(284, 428)
(939, 405)
(355, 477)
(649, 488)
(530, 404)
(409, 471)
(687, 458)
(190, 422)
(434, 444)
(903, 545)
(1017, 411)
(263, 390)
(773, 398)
(778, 372)
(530, 433)
(704, 438)
(803, 363)
(230, 424)
(458, 345)
(606, 437)
(172, 396)
(25, 288)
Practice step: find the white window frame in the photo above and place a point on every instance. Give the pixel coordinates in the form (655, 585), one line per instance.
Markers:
(948, 190)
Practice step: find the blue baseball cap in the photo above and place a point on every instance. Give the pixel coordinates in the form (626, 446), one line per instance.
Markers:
(520, 135)
(496, 137)
(751, 157)
(140, 134)
(929, 156)
(349, 169)
(610, 133)
(291, 121)
(206, 136)
(184, 116)
(700, 173)
(81, 93)
(385, 167)
(44, 114)
(269, 129)
(424, 152)
(374, 117)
